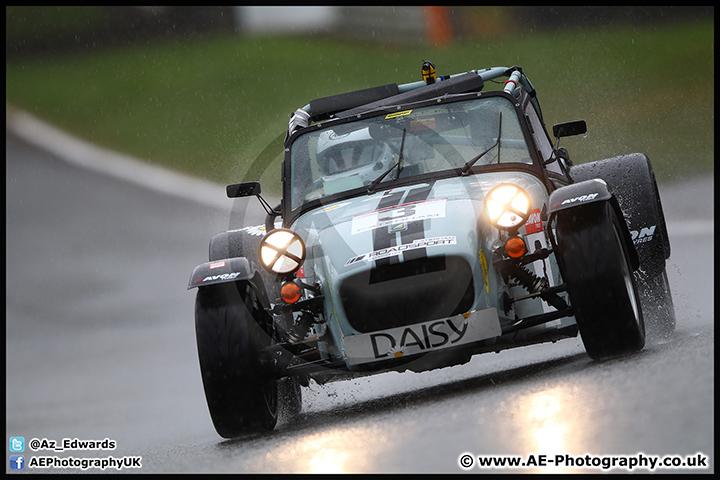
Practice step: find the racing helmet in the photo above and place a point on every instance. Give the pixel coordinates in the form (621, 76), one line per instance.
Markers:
(353, 153)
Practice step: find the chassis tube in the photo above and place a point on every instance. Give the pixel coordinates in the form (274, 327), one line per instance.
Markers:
(486, 74)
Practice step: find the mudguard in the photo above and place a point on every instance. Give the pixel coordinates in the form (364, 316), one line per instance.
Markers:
(631, 180)
(578, 194)
(230, 270)
(221, 271)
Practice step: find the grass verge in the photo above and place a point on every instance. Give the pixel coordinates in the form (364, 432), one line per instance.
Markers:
(210, 106)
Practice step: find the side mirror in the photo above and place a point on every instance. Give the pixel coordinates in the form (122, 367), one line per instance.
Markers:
(249, 189)
(246, 189)
(569, 129)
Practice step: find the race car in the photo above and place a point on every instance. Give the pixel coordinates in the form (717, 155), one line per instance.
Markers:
(421, 224)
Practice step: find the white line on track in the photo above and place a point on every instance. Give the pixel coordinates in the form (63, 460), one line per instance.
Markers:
(125, 167)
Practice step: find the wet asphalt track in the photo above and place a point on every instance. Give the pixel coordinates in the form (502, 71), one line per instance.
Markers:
(100, 344)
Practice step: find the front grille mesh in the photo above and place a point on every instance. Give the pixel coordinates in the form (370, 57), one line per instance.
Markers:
(408, 292)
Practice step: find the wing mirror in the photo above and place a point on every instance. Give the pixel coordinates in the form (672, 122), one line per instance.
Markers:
(246, 189)
(569, 129)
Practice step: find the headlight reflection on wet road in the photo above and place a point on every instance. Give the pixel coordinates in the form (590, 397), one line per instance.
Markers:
(340, 450)
(555, 422)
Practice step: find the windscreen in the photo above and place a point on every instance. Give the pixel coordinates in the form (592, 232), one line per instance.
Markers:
(372, 151)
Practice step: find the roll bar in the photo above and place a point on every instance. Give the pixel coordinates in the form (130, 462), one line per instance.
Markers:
(321, 111)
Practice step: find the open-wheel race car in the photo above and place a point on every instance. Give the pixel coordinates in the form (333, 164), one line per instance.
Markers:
(421, 224)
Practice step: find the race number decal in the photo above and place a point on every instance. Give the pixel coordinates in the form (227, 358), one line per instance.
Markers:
(407, 212)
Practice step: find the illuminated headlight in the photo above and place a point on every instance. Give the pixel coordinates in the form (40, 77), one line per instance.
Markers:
(507, 206)
(282, 252)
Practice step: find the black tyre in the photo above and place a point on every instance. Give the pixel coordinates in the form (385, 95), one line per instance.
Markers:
(240, 389)
(595, 265)
(657, 303)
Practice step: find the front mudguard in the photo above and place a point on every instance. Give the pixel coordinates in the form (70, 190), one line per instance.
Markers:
(576, 195)
(220, 271)
(236, 270)
(632, 182)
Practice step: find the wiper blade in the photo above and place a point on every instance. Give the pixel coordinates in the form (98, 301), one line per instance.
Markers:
(398, 164)
(468, 165)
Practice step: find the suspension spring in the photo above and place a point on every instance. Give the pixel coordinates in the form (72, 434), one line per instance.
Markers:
(531, 282)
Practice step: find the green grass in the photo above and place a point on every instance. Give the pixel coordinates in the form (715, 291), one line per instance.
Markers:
(210, 106)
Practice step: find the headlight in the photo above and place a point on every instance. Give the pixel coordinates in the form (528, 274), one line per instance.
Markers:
(282, 252)
(507, 206)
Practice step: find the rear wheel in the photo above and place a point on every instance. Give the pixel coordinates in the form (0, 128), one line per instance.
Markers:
(595, 265)
(240, 389)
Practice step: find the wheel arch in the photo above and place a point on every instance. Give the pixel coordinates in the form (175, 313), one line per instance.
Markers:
(631, 180)
(580, 194)
(222, 275)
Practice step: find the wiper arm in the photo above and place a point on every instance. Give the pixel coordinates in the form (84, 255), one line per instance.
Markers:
(398, 164)
(468, 165)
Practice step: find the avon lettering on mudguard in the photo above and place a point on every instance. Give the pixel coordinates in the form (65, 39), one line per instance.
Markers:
(578, 194)
(220, 271)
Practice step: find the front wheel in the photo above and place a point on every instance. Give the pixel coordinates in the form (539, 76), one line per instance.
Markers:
(595, 264)
(241, 391)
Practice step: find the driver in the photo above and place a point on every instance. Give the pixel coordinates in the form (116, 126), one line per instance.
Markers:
(351, 154)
